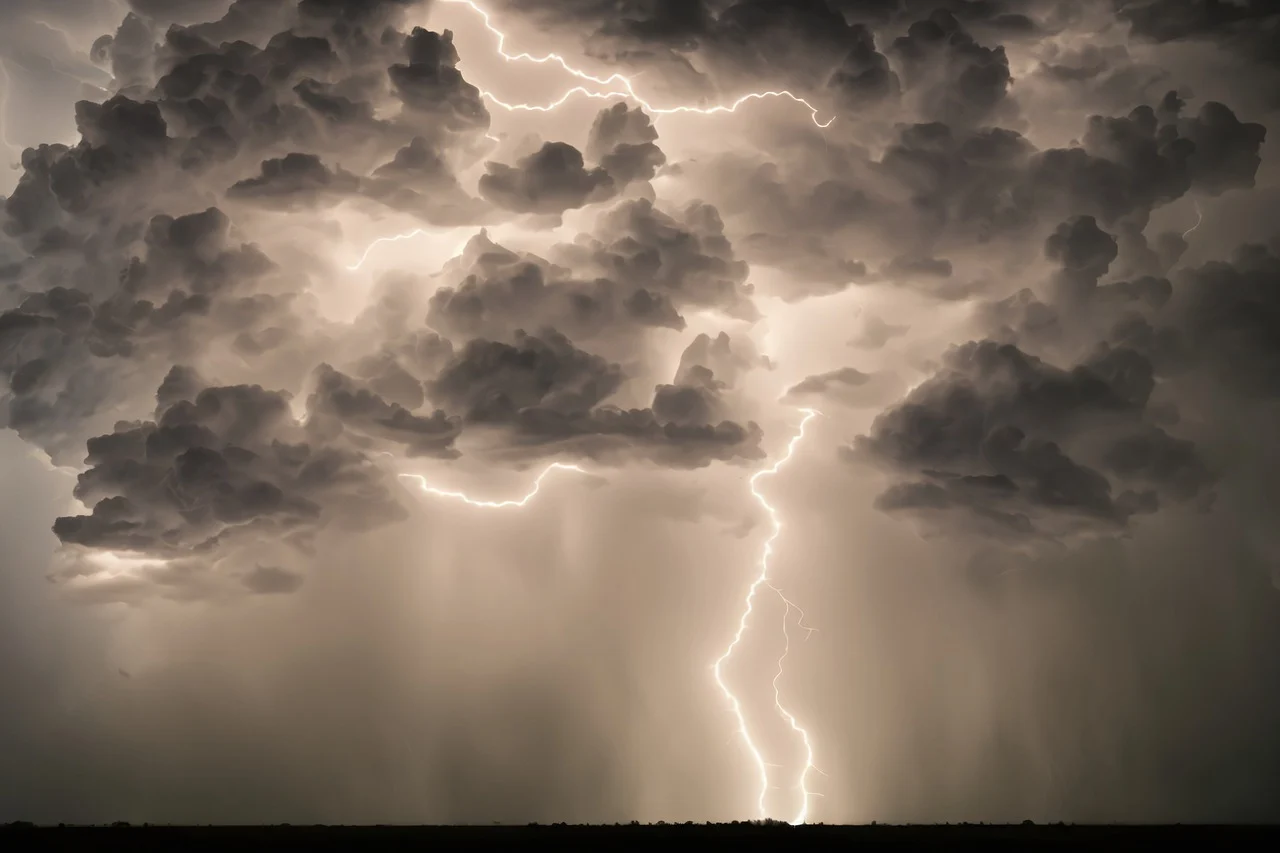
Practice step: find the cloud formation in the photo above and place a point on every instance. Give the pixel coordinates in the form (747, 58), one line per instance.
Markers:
(220, 470)
(263, 260)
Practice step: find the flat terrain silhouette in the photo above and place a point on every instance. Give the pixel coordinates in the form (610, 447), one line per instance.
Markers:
(745, 834)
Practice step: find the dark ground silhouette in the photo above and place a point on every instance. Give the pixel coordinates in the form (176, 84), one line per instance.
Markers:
(774, 836)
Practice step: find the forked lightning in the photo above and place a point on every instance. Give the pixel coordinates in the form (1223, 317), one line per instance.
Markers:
(625, 90)
(460, 496)
(762, 579)
(622, 87)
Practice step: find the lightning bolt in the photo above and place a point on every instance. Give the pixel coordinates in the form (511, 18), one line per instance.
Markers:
(624, 88)
(410, 235)
(762, 579)
(417, 232)
(1199, 219)
(627, 90)
(466, 499)
(805, 793)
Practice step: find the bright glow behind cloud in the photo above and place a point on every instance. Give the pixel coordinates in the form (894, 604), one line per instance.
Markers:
(274, 277)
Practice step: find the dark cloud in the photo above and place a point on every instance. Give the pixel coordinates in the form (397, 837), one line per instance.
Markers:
(499, 291)
(216, 473)
(189, 284)
(548, 397)
(942, 192)
(1249, 25)
(727, 358)
(863, 77)
(431, 86)
(1226, 149)
(492, 382)
(712, 50)
(875, 333)
(340, 401)
(1077, 302)
(555, 178)
(1088, 441)
(181, 11)
(682, 258)
(638, 269)
(1226, 316)
(624, 142)
(418, 180)
(266, 580)
(548, 182)
(1018, 175)
(1028, 449)
(295, 179)
(835, 382)
(957, 80)
(115, 273)
(916, 268)
(406, 353)
(695, 401)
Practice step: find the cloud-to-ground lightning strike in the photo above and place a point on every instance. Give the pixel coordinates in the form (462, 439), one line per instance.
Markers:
(805, 793)
(627, 89)
(762, 579)
(467, 499)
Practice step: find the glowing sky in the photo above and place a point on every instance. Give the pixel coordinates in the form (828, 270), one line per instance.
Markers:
(409, 411)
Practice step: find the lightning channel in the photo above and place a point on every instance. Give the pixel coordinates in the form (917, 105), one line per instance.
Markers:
(467, 499)
(801, 783)
(396, 238)
(1199, 219)
(622, 87)
(762, 579)
(625, 87)
(417, 232)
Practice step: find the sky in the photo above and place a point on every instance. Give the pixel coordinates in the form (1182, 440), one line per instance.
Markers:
(893, 385)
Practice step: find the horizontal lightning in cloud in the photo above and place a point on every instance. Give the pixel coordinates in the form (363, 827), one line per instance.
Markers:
(397, 238)
(762, 579)
(417, 232)
(470, 501)
(602, 96)
(627, 90)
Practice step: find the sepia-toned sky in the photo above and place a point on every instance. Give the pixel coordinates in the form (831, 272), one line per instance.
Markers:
(269, 267)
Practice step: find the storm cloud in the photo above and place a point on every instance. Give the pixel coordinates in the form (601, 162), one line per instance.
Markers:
(389, 410)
